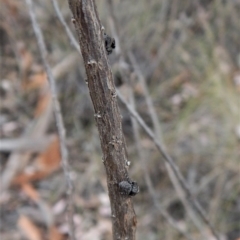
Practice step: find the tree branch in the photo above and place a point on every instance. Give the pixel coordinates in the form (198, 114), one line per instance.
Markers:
(107, 115)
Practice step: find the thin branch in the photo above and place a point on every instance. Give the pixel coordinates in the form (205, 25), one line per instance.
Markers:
(149, 101)
(25, 144)
(73, 40)
(187, 196)
(57, 113)
(148, 180)
(158, 136)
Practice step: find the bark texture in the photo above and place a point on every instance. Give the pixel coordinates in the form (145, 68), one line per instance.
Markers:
(107, 115)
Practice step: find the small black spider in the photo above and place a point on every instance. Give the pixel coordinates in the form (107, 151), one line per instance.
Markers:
(109, 43)
(129, 187)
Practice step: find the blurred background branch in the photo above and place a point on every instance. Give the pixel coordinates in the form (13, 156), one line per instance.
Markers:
(58, 117)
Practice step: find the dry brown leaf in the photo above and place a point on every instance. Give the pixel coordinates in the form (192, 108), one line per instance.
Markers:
(46, 163)
(37, 81)
(49, 160)
(24, 178)
(54, 234)
(30, 191)
(29, 229)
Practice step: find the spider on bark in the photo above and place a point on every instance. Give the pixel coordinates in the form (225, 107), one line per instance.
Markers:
(129, 187)
(109, 43)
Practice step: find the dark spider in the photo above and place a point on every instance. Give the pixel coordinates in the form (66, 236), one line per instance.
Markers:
(109, 43)
(129, 187)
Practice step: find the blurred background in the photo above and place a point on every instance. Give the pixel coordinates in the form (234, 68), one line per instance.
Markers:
(188, 55)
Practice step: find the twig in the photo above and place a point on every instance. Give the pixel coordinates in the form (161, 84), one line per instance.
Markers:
(73, 40)
(148, 181)
(58, 116)
(25, 144)
(149, 101)
(158, 136)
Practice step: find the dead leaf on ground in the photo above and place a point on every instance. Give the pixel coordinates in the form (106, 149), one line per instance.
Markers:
(30, 191)
(29, 229)
(49, 160)
(36, 81)
(45, 164)
(54, 234)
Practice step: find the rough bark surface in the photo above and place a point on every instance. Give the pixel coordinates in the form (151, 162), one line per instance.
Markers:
(107, 115)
